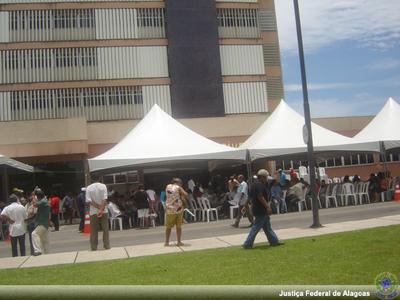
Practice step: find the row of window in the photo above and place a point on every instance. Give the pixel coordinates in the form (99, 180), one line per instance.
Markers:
(146, 17)
(354, 159)
(237, 17)
(75, 18)
(149, 17)
(86, 97)
(121, 178)
(59, 57)
(42, 19)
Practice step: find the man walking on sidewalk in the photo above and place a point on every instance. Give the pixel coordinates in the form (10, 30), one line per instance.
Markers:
(261, 211)
(244, 208)
(96, 197)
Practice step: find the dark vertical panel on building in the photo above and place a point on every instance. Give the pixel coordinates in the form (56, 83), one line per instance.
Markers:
(194, 59)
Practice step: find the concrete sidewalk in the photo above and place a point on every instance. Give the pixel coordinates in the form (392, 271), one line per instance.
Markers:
(190, 245)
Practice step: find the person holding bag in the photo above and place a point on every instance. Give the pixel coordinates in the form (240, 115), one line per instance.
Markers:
(261, 210)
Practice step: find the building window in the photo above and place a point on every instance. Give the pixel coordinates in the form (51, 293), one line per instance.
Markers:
(149, 17)
(75, 57)
(102, 103)
(137, 95)
(237, 17)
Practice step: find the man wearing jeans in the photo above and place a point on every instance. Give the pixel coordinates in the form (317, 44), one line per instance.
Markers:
(96, 197)
(261, 211)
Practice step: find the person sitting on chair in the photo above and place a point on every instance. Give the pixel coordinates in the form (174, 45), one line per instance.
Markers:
(277, 199)
(115, 212)
(294, 194)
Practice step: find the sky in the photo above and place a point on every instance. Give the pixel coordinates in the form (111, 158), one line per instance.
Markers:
(352, 55)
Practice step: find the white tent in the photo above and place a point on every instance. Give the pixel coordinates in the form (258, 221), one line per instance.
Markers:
(384, 127)
(158, 140)
(13, 164)
(282, 135)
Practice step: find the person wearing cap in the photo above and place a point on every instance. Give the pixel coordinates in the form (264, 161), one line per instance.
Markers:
(261, 211)
(15, 215)
(40, 235)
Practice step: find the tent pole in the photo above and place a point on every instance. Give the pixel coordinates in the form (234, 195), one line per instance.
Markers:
(248, 167)
(307, 116)
(383, 158)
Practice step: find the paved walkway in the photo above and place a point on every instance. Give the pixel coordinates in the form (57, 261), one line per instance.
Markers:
(190, 245)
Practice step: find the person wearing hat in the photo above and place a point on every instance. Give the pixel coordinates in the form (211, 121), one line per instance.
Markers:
(261, 211)
(15, 215)
(20, 195)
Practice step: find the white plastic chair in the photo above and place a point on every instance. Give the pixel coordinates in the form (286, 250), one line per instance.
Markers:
(232, 209)
(201, 207)
(193, 208)
(114, 221)
(208, 210)
(363, 194)
(303, 171)
(332, 196)
(340, 194)
(303, 201)
(348, 192)
(386, 195)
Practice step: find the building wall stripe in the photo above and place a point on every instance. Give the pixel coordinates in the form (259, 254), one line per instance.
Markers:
(245, 97)
(84, 84)
(242, 60)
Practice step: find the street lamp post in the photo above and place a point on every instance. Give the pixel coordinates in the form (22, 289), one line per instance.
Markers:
(307, 133)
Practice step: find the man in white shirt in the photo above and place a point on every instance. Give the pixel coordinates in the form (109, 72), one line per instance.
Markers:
(151, 196)
(15, 215)
(242, 195)
(96, 197)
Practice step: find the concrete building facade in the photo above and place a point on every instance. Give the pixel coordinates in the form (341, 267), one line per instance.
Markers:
(77, 75)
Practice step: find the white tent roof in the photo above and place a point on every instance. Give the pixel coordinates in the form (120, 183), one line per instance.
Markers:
(158, 138)
(11, 163)
(282, 134)
(384, 126)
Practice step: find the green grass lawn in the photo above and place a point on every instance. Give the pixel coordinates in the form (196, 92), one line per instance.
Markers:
(351, 258)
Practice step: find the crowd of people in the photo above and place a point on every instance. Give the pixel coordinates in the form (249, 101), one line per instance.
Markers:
(143, 208)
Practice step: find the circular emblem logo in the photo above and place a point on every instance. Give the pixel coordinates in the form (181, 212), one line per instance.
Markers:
(386, 284)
